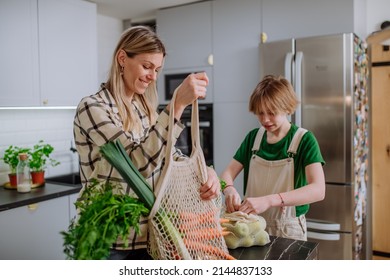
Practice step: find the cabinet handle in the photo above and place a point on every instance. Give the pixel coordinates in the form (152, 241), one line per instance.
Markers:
(263, 37)
(32, 207)
(210, 60)
(45, 102)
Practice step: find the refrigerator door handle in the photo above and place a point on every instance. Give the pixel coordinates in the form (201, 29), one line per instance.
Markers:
(323, 236)
(322, 225)
(288, 61)
(298, 87)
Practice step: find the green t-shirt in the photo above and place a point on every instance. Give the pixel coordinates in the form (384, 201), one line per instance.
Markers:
(308, 152)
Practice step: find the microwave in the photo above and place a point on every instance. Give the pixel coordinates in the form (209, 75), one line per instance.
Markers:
(169, 80)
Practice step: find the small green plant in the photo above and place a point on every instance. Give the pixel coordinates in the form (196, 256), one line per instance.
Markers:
(39, 157)
(11, 157)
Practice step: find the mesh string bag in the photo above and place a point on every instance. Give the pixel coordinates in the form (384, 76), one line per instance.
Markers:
(182, 226)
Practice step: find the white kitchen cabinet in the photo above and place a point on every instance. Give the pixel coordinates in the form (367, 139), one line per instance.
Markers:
(19, 63)
(304, 18)
(72, 207)
(186, 32)
(33, 232)
(236, 38)
(67, 51)
(49, 52)
(232, 122)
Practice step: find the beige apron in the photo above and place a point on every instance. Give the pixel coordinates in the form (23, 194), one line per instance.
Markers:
(273, 177)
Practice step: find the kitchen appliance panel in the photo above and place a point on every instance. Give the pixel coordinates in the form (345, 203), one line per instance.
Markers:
(332, 245)
(206, 134)
(169, 79)
(277, 58)
(324, 94)
(334, 212)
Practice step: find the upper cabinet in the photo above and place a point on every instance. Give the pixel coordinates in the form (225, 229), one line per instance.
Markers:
(19, 62)
(67, 51)
(187, 34)
(304, 18)
(236, 39)
(50, 57)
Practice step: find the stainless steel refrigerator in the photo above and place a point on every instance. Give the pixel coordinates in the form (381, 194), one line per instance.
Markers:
(330, 76)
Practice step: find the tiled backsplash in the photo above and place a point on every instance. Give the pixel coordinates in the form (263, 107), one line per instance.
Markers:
(25, 127)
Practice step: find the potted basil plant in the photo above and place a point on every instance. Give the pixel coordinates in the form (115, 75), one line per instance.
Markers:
(11, 157)
(39, 159)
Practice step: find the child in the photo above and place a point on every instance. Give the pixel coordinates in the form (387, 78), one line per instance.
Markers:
(282, 164)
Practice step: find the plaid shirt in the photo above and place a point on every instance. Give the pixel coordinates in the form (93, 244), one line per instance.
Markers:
(97, 121)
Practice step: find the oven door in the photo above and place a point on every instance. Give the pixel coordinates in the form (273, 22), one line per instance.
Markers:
(170, 79)
(184, 143)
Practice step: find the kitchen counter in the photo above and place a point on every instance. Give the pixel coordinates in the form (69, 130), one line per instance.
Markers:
(279, 249)
(11, 198)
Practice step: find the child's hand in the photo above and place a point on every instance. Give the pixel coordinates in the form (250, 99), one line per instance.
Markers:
(255, 205)
(232, 199)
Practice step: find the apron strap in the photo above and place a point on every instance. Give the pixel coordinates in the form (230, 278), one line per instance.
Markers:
(259, 136)
(292, 149)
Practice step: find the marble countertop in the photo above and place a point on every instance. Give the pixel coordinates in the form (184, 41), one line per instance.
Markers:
(278, 249)
(10, 198)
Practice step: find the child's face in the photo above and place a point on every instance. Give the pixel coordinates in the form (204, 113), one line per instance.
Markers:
(272, 121)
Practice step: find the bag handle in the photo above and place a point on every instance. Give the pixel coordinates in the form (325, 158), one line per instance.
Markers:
(161, 185)
(195, 140)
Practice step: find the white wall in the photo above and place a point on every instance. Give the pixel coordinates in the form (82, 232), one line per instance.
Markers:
(378, 11)
(25, 127)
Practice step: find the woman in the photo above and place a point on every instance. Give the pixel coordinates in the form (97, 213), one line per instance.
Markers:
(125, 109)
(282, 164)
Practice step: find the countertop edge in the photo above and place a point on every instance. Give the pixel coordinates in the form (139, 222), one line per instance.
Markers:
(12, 199)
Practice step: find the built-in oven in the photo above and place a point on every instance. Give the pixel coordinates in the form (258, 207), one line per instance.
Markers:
(205, 131)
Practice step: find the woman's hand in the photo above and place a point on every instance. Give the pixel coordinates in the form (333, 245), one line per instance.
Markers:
(192, 88)
(211, 189)
(232, 199)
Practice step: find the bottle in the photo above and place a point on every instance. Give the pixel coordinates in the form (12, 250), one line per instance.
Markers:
(23, 174)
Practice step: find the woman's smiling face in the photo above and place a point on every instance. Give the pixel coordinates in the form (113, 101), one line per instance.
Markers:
(139, 71)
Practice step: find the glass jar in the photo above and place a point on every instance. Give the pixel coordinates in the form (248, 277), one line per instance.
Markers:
(23, 180)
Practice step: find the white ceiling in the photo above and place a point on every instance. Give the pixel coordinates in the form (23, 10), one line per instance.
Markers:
(136, 10)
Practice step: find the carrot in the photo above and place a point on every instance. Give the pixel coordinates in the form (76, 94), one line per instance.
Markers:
(223, 220)
(208, 249)
(208, 233)
(200, 218)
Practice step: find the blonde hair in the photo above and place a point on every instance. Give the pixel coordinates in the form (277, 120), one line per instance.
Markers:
(135, 40)
(273, 94)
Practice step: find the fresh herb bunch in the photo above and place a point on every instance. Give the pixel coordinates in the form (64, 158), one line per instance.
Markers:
(11, 157)
(40, 156)
(103, 217)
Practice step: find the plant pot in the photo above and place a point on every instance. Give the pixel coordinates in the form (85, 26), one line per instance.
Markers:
(38, 177)
(12, 180)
